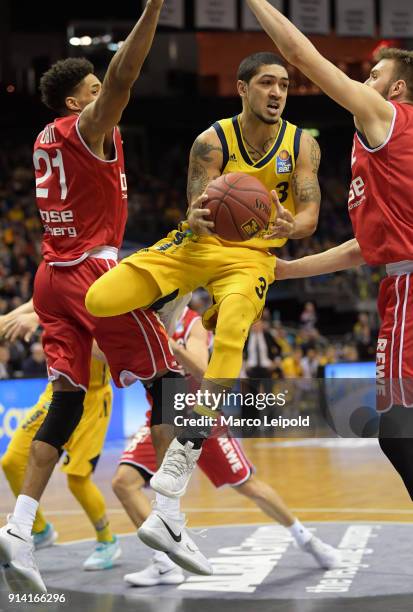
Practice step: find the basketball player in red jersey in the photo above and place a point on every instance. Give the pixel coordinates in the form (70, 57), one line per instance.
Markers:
(82, 199)
(380, 209)
(222, 460)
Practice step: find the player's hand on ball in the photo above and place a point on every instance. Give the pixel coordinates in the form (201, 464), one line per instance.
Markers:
(198, 218)
(284, 225)
(20, 326)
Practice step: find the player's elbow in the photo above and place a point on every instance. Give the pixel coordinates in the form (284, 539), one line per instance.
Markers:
(354, 254)
(295, 55)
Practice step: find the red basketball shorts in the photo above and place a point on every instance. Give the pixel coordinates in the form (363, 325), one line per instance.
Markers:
(135, 344)
(222, 459)
(394, 357)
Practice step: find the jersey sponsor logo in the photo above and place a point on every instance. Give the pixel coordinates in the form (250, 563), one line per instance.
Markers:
(123, 185)
(250, 227)
(357, 193)
(56, 216)
(233, 157)
(353, 155)
(230, 454)
(284, 162)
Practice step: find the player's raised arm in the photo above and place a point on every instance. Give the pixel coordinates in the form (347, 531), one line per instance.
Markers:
(102, 115)
(343, 257)
(373, 114)
(205, 165)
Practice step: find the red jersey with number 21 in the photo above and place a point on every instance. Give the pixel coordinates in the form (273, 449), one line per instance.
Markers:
(381, 193)
(82, 199)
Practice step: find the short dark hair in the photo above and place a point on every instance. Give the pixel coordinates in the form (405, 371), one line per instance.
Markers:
(251, 64)
(61, 80)
(403, 65)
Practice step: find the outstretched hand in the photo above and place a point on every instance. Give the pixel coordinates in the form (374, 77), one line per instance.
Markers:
(198, 218)
(19, 325)
(284, 225)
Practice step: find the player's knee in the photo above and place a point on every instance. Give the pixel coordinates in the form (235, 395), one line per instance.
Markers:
(251, 489)
(9, 463)
(236, 315)
(124, 482)
(119, 486)
(77, 484)
(62, 418)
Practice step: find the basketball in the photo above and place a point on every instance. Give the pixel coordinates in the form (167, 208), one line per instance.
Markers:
(240, 206)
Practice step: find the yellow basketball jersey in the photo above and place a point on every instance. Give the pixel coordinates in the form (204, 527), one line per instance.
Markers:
(274, 169)
(99, 378)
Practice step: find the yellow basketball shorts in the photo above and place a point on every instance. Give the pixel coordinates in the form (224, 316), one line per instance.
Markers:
(181, 263)
(84, 447)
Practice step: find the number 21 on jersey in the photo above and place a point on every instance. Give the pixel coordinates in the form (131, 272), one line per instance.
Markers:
(49, 163)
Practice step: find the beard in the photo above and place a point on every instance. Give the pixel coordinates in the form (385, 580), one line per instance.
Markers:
(385, 92)
(266, 120)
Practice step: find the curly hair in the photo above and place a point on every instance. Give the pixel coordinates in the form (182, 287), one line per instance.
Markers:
(61, 80)
(403, 65)
(251, 64)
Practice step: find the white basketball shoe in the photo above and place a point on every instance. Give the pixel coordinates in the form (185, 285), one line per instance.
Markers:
(170, 536)
(161, 571)
(17, 560)
(176, 469)
(326, 556)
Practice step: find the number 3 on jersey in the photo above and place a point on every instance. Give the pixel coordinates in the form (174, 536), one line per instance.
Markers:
(55, 162)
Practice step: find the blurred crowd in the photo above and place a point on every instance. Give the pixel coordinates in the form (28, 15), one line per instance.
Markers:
(156, 205)
(276, 351)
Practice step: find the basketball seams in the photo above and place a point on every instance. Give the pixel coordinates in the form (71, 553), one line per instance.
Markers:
(250, 212)
(234, 221)
(234, 208)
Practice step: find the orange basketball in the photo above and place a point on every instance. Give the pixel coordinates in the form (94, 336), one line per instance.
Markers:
(240, 206)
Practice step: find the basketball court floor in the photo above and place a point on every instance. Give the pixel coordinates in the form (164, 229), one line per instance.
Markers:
(344, 490)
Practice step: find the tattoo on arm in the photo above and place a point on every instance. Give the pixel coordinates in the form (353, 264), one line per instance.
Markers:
(198, 175)
(306, 189)
(315, 156)
(202, 151)
(198, 180)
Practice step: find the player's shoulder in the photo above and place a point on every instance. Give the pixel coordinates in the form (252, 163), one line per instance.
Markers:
(58, 129)
(207, 142)
(227, 122)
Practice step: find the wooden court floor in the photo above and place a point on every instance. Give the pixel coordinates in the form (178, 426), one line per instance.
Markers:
(318, 483)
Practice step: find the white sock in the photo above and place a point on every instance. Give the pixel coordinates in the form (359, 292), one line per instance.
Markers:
(170, 506)
(300, 533)
(162, 558)
(25, 513)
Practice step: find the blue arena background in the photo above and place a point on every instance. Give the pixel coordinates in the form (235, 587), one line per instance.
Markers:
(129, 405)
(18, 396)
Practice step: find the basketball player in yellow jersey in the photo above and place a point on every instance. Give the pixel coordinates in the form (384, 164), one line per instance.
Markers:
(260, 143)
(237, 275)
(81, 452)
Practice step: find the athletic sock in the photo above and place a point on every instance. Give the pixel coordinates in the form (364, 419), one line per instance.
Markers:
(170, 506)
(300, 533)
(104, 535)
(25, 513)
(40, 523)
(162, 559)
(197, 442)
